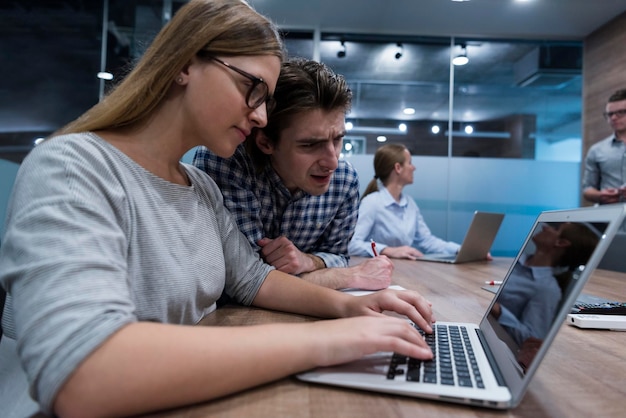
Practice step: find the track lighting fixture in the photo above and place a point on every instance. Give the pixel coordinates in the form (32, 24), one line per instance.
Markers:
(400, 51)
(462, 58)
(342, 52)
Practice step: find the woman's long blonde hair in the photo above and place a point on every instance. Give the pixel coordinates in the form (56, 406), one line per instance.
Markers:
(385, 161)
(219, 27)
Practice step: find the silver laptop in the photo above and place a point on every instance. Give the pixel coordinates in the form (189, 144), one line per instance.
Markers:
(503, 352)
(477, 242)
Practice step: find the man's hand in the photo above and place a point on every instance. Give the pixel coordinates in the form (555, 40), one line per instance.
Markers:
(404, 251)
(372, 274)
(286, 257)
(611, 195)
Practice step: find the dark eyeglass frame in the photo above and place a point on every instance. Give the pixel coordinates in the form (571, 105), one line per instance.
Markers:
(620, 113)
(256, 82)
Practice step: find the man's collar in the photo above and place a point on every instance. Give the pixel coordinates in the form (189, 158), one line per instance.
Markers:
(617, 140)
(279, 185)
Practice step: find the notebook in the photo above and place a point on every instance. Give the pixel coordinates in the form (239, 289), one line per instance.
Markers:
(506, 350)
(477, 242)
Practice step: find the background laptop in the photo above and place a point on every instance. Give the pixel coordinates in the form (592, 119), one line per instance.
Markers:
(477, 242)
(503, 362)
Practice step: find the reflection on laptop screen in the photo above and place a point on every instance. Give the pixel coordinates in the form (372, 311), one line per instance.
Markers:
(542, 277)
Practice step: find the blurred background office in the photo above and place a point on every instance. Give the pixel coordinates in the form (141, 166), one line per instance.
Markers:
(505, 131)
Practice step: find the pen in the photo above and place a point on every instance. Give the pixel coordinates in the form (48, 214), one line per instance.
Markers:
(374, 248)
(493, 282)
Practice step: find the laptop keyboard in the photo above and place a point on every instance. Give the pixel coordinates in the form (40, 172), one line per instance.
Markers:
(454, 362)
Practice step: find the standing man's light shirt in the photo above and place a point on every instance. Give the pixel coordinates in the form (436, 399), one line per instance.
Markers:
(605, 164)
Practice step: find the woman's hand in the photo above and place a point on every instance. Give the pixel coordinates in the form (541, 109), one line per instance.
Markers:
(344, 340)
(404, 251)
(405, 303)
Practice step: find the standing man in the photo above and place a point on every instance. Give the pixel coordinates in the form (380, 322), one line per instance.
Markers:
(604, 180)
(293, 198)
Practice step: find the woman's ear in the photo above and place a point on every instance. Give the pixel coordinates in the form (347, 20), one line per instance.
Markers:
(263, 142)
(183, 75)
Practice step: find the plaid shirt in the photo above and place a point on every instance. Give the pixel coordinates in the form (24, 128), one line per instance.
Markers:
(263, 207)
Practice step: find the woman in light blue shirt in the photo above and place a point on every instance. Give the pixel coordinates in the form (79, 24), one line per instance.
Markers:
(391, 218)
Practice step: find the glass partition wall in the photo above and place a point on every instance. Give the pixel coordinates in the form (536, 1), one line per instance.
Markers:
(500, 133)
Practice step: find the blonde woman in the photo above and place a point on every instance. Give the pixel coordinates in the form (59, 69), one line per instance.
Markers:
(391, 218)
(113, 250)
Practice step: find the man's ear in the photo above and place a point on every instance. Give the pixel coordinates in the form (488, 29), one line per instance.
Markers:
(263, 142)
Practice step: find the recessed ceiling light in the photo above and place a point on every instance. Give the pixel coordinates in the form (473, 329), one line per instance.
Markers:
(381, 138)
(408, 111)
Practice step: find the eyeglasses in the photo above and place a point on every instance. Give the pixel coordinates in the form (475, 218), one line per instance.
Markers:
(258, 93)
(619, 113)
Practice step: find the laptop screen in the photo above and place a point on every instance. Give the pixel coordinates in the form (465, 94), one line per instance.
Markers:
(537, 285)
(543, 282)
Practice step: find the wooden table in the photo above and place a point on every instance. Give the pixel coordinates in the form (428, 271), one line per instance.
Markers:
(583, 375)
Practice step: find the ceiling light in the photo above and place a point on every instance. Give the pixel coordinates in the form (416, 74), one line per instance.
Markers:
(349, 125)
(408, 111)
(469, 129)
(400, 51)
(461, 59)
(479, 134)
(402, 127)
(435, 129)
(377, 130)
(381, 138)
(342, 52)
(105, 75)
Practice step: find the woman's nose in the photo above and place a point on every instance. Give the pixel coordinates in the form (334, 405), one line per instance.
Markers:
(258, 116)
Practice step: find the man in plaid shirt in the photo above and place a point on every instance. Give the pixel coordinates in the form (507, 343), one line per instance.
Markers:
(291, 195)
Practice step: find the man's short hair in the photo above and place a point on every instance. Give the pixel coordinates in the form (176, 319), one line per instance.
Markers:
(303, 85)
(618, 96)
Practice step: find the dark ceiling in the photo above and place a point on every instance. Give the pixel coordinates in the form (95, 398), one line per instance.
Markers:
(51, 52)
